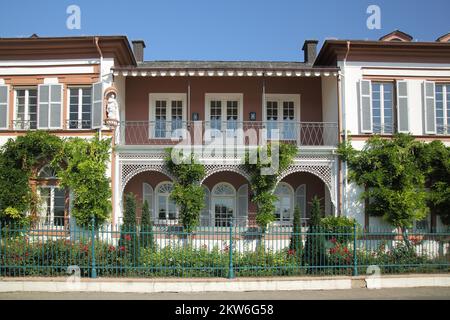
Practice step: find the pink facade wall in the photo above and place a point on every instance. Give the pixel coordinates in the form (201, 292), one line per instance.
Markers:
(139, 88)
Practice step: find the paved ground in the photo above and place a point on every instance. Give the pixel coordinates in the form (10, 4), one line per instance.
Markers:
(354, 294)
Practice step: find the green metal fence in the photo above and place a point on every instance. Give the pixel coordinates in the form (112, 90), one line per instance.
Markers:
(233, 251)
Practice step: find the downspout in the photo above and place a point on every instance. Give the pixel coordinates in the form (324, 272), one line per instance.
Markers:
(344, 123)
(96, 39)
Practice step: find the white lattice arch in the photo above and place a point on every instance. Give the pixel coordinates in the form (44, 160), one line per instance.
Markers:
(128, 171)
(323, 172)
(212, 169)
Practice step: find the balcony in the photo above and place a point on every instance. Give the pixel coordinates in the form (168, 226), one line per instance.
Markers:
(25, 125)
(244, 133)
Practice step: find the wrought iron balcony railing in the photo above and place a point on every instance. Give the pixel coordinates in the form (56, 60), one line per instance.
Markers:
(229, 132)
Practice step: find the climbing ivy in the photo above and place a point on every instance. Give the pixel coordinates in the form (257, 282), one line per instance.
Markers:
(82, 166)
(20, 160)
(187, 191)
(263, 185)
(393, 179)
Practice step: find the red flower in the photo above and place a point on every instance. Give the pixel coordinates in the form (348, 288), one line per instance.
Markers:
(333, 240)
(291, 252)
(127, 237)
(111, 248)
(346, 250)
(333, 250)
(122, 248)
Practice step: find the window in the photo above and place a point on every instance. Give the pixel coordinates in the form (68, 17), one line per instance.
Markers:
(223, 114)
(284, 205)
(53, 205)
(382, 107)
(282, 113)
(165, 207)
(26, 108)
(300, 200)
(39, 108)
(167, 115)
(378, 105)
(442, 95)
(224, 204)
(53, 199)
(80, 107)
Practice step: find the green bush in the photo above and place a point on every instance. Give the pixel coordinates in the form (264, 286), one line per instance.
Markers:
(339, 228)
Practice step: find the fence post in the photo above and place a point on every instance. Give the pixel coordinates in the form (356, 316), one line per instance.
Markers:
(1, 244)
(231, 272)
(355, 259)
(94, 270)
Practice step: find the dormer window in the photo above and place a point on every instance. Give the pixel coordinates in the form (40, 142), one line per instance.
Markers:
(397, 35)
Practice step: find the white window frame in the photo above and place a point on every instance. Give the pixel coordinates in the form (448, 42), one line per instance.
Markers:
(444, 108)
(280, 98)
(168, 97)
(26, 107)
(213, 198)
(80, 106)
(166, 221)
(292, 204)
(52, 205)
(393, 98)
(223, 98)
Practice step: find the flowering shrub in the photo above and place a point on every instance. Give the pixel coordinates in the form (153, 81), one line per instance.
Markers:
(340, 254)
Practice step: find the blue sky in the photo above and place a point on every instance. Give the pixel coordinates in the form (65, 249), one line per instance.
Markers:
(225, 29)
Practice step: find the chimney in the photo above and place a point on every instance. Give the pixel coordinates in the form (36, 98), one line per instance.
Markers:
(310, 51)
(138, 50)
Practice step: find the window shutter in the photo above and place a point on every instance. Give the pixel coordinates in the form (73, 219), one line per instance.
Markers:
(4, 107)
(55, 105)
(44, 105)
(300, 199)
(402, 106)
(205, 218)
(365, 87)
(97, 105)
(50, 106)
(147, 195)
(429, 104)
(242, 212)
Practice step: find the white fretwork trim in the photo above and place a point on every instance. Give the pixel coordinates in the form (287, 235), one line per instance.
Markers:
(212, 169)
(321, 165)
(129, 170)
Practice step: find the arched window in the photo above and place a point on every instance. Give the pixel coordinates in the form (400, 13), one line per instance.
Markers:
(284, 205)
(47, 172)
(223, 204)
(166, 208)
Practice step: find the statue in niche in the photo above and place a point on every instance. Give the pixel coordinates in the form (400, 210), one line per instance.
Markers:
(112, 108)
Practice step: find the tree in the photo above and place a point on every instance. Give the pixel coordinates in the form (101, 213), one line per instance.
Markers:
(434, 160)
(128, 229)
(263, 185)
(20, 160)
(82, 166)
(296, 244)
(314, 254)
(187, 191)
(390, 173)
(146, 231)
